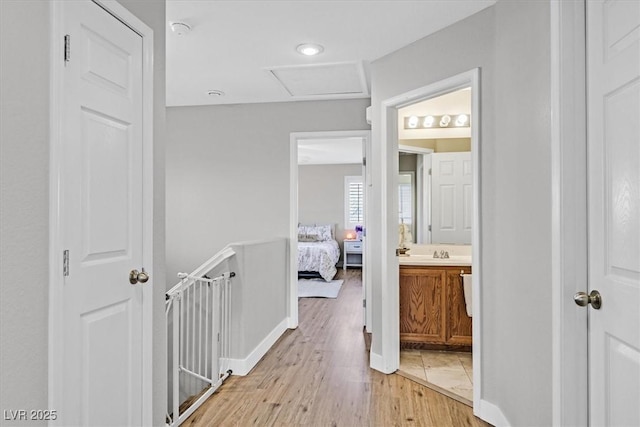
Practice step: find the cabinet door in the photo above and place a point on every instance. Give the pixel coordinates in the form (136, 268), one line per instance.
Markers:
(458, 331)
(422, 299)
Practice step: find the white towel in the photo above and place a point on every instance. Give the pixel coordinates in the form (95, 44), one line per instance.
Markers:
(468, 292)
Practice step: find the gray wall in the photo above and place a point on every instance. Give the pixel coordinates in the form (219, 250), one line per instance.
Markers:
(260, 286)
(321, 195)
(408, 163)
(228, 172)
(517, 226)
(24, 202)
(510, 43)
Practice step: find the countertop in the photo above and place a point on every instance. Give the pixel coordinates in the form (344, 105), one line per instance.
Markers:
(464, 260)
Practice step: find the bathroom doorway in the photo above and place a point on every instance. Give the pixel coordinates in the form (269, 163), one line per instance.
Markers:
(438, 352)
(435, 215)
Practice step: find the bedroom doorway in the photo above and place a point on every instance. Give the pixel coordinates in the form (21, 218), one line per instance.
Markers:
(334, 177)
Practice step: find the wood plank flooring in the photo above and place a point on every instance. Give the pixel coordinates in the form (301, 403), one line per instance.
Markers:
(319, 375)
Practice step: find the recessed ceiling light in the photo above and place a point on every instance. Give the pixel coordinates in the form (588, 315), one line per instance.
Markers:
(215, 93)
(180, 28)
(310, 49)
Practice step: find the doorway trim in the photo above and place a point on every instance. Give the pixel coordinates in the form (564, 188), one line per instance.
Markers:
(292, 293)
(390, 333)
(569, 261)
(56, 282)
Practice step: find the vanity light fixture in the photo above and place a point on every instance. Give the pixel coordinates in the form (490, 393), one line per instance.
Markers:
(437, 122)
(310, 49)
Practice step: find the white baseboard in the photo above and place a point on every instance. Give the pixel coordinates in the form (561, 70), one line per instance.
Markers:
(291, 324)
(490, 413)
(244, 366)
(377, 362)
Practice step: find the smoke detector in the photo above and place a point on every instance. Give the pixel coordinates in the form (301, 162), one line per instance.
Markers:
(180, 28)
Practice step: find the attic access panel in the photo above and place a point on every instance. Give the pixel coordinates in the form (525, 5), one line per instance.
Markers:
(322, 80)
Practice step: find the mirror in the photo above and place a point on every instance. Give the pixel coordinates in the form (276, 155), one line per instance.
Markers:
(406, 207)
(435, 181)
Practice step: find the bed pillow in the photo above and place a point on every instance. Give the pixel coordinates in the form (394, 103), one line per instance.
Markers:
(323, 232)
(302, 233)
(314, 233)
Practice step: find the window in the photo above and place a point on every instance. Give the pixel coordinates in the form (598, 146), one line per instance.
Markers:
(353, 202)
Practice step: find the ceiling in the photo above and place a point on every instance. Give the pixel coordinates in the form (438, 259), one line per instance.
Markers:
(247, 49)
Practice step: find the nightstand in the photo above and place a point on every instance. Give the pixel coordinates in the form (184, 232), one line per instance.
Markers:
(352, 253)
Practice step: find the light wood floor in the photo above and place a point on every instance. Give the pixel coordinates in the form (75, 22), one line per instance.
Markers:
(318, 374)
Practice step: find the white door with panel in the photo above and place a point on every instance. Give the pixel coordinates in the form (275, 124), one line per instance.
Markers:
(452, 198)
(613, 123)
(102, 219)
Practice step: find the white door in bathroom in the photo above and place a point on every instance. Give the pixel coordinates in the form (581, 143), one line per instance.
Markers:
(613, 94)
(452, 198)
(100, 367)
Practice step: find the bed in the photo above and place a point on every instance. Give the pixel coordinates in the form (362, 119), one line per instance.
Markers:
(318, 251)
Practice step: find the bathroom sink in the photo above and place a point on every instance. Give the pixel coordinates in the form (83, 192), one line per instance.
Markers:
(430, 260)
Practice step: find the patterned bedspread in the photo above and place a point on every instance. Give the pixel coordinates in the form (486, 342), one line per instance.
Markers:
(319, 256)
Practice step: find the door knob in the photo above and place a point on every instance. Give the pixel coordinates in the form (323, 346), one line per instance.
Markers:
(138, 277)
(594, 298)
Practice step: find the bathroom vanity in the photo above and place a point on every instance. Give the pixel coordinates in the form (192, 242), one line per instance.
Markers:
(432, 305)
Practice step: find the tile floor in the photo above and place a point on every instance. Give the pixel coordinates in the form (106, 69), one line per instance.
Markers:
(450, 373)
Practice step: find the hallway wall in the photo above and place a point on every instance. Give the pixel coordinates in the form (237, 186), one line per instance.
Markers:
(228, 172)
(510, 43)
(24, 203)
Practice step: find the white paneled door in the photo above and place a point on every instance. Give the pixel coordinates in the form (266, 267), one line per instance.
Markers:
(613, 73)
(101, 219)
(451, 198)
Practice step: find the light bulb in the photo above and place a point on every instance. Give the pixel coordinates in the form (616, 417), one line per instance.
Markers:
(412, 122)
(428, 121)
(462, 120)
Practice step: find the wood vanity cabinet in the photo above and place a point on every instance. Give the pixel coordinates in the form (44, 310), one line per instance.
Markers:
(432, 308)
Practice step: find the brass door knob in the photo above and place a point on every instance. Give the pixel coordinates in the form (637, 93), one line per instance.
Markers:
(583, 300)
(138, 277)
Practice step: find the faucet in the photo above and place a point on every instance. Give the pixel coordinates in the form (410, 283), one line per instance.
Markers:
(442, 254)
